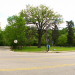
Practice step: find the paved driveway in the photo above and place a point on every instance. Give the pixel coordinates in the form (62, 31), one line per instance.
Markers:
(17, 63)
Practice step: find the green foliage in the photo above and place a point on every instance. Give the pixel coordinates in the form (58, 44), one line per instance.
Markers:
(70, 25)
(63, 31)
(49, 36)
(1, 38)
(62, 40)
(43, 40)
(55, 34)
(9, 35)
(15, 30)
(31, 35)
(43, 15)
(74, 40)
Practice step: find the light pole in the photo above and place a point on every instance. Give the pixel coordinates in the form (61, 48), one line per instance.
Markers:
(46, 40)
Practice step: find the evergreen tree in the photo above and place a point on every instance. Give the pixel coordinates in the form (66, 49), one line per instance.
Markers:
(70, 25)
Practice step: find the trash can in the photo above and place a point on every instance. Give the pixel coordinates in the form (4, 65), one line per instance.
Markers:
(48, 46)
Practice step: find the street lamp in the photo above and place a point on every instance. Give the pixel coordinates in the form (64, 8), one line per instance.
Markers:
(46, 39)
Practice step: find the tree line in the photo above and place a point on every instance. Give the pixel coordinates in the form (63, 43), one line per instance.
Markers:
(44, 30)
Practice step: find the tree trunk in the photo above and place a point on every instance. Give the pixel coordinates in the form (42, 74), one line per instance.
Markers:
(39, 38)
(39, 42)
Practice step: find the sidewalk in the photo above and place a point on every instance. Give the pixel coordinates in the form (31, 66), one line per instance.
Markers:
(4, 48)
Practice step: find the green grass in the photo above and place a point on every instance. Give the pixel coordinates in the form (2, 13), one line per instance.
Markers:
(43, 48)
(63, 48)
(31, 49)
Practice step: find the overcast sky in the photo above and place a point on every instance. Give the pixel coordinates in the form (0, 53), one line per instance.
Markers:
(11, 7)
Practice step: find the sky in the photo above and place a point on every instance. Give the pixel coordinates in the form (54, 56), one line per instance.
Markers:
(66, 8)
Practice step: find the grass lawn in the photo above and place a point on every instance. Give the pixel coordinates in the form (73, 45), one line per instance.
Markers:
(43, 48)
(31, 49)
(63, 48)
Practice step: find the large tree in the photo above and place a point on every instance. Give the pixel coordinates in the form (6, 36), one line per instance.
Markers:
(41, 16)
(15, 30)
(70, 25)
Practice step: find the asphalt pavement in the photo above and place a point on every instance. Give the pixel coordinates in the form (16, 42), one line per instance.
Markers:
(24, 63)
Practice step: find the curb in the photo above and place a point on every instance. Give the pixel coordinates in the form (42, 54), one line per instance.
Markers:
(46, 52)
(59, 51)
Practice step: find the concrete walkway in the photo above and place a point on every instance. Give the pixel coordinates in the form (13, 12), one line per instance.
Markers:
(4, 48)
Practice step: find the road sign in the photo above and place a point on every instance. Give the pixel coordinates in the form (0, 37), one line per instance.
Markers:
(15, 41)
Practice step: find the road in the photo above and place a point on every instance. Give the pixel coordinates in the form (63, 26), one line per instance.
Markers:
(17, 63)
